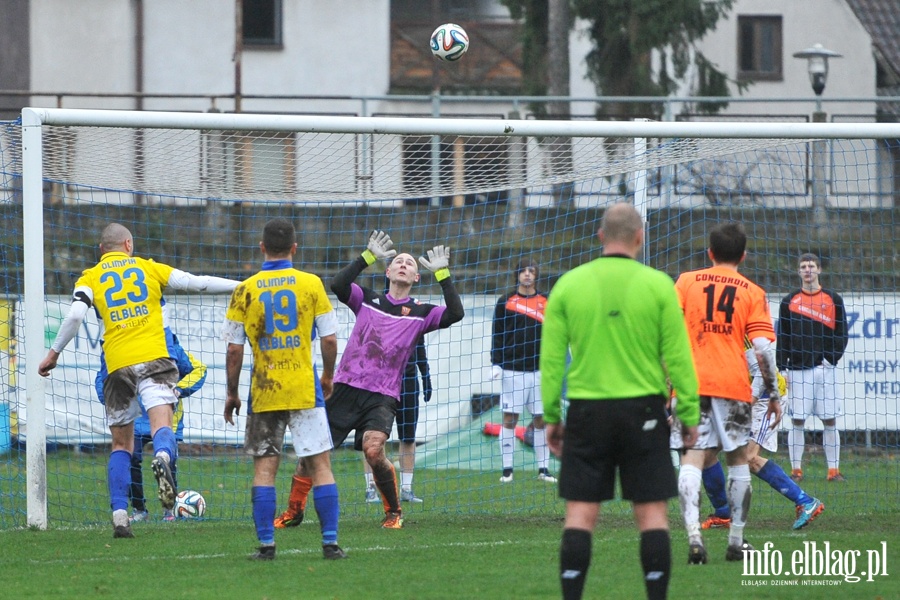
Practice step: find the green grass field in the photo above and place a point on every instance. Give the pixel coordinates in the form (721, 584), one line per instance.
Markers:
(473, 538)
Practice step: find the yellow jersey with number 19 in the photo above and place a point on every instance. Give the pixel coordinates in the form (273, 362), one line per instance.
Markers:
(127, 295)
(278, 307)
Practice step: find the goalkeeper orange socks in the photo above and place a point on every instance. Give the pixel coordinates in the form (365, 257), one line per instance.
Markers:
(386, 480)
(300, 487)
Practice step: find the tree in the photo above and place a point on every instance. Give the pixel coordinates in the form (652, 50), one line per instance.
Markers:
(625, 35)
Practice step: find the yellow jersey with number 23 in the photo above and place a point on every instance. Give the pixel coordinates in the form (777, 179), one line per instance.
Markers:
(126, 292)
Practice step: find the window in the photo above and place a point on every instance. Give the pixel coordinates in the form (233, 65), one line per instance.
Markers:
(262, 22)
(480, 162)
(759, 48)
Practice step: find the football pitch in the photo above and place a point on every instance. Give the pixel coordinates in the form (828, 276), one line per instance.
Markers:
(472, 538)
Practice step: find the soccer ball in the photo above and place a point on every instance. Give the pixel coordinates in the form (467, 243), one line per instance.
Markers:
(449, 42)
(189, 505)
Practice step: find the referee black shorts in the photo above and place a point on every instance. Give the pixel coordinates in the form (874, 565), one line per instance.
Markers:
(628, 436)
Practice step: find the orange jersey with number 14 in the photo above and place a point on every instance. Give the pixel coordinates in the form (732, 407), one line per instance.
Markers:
(721, 307)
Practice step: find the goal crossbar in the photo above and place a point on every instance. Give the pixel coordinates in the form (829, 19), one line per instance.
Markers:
(456, 126)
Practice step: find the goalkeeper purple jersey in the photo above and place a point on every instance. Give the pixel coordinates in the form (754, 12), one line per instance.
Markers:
(382, 340)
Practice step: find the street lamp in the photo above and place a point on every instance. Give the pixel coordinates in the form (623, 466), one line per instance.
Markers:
(817, 67)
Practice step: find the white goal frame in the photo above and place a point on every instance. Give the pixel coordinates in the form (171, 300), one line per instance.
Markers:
(34, 119)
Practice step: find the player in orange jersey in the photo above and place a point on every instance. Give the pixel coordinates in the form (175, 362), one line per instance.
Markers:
(721, 307)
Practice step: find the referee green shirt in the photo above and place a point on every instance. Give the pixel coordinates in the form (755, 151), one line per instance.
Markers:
(624, 327)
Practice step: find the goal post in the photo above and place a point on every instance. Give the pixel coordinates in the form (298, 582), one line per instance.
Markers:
(200, 185)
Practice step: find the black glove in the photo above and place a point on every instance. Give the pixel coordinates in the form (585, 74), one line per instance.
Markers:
(426, 387)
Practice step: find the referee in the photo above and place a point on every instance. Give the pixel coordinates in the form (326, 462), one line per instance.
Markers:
(622, 325)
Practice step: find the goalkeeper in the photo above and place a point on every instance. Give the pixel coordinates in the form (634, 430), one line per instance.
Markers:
(193, 376)
(367, 380)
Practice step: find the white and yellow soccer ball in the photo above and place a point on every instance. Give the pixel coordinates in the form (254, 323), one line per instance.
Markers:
(449, 42)
(189, 505)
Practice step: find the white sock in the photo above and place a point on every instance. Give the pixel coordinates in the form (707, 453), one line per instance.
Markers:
(796, 444)
(541, 452)
(507, 446)
(370, 480)
(689, 478)
(739, 492)
(406, 481)
(120, 518)
(831, 439)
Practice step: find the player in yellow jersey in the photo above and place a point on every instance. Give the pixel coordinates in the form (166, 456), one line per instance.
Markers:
(721, 308)
(126, 292)
(276, 311)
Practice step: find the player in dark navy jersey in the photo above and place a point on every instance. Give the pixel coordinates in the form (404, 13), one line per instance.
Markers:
(515, 353)
(812, 337)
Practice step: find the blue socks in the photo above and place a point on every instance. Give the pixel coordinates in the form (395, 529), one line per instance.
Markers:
(775, 476)
(264, 504)
(328, 509)
(771, 473)
(714, 484)
(119, 479)
(164, 441)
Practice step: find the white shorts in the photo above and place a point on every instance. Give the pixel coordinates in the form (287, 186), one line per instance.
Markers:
(521, 390)
(812, 394)
(725, 425)
(310, 432)
(150, 384)
(760, 432)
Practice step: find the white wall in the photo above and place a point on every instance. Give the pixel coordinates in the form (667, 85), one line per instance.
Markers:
(82, 47)
(827, 22)
(330, 48)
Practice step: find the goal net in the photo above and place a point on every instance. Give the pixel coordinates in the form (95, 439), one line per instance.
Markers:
(196, 190)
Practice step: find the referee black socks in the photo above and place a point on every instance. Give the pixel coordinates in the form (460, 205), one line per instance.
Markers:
(656, 559)
(574, 560)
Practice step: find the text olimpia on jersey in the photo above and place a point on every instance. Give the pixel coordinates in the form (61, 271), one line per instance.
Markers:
(278, 308)
(126, 291)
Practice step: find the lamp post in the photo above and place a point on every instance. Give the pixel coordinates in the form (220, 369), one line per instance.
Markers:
(817, 67)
